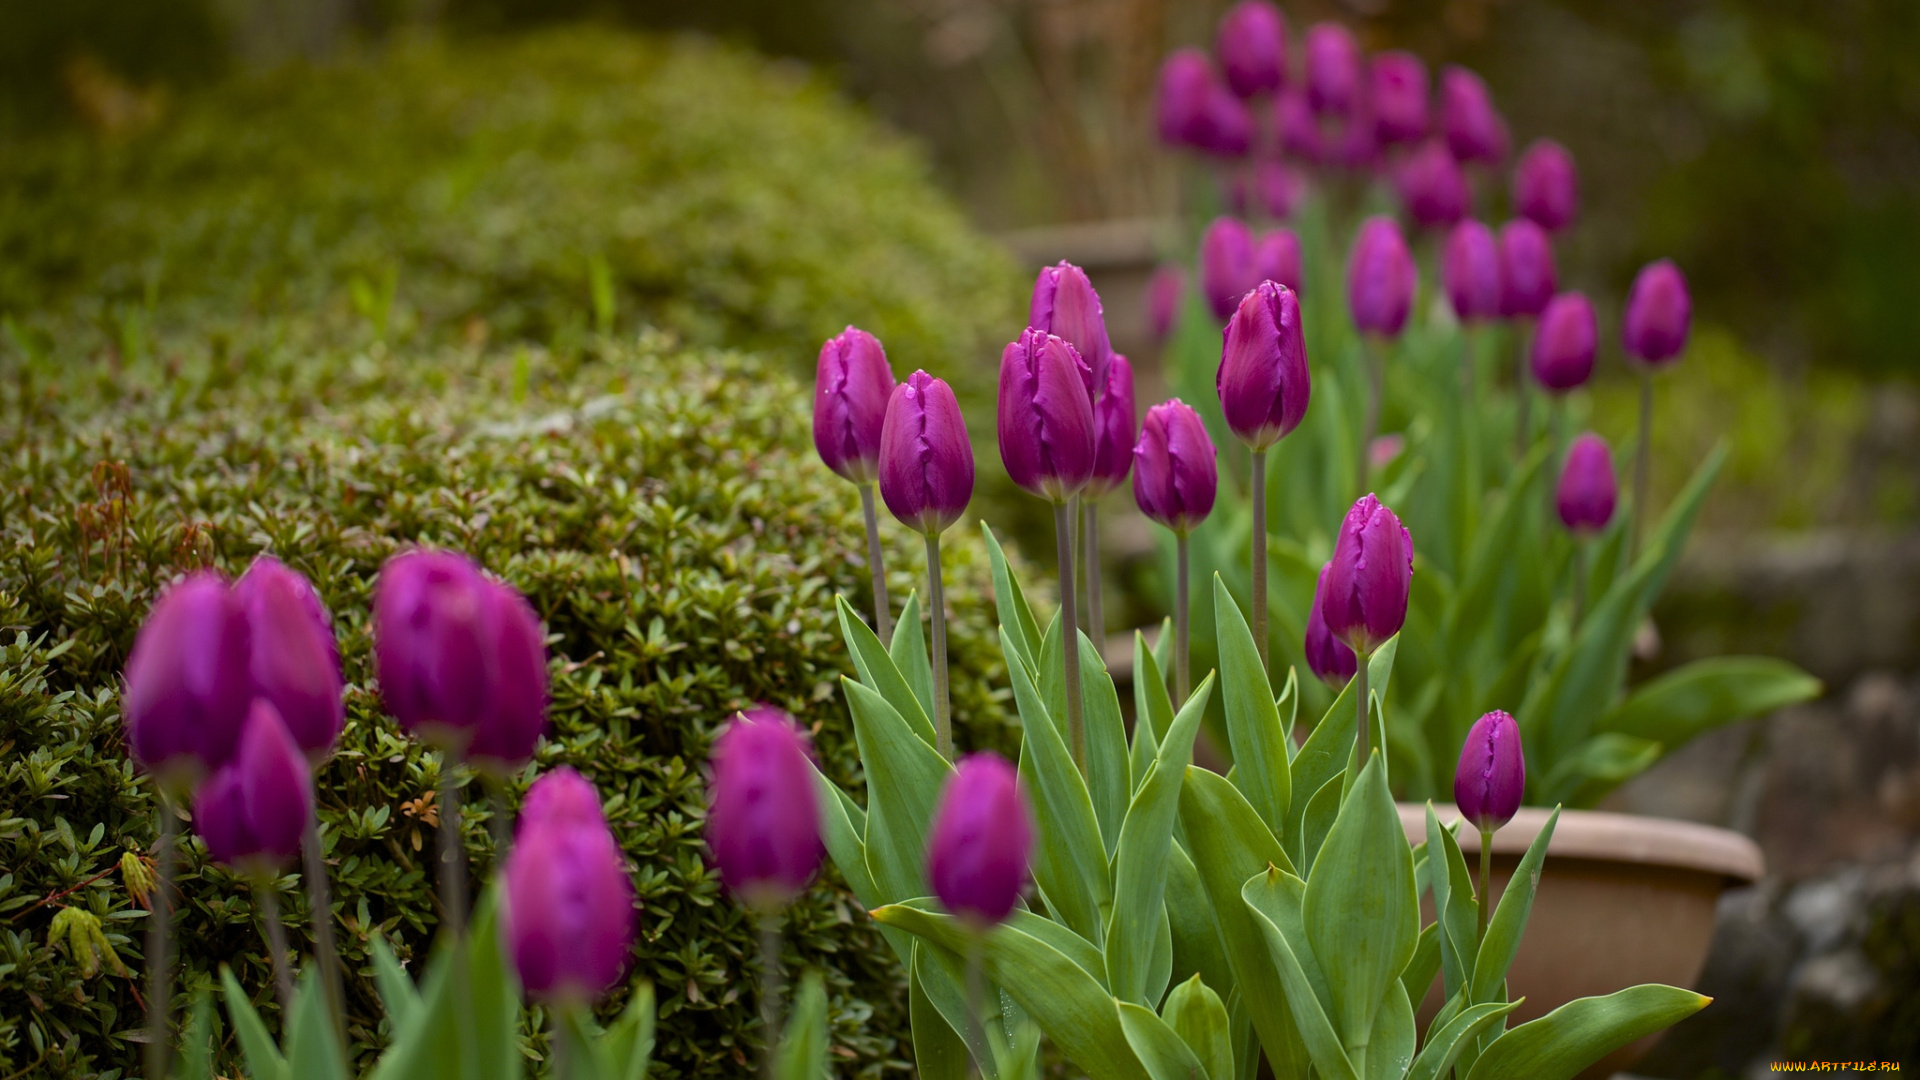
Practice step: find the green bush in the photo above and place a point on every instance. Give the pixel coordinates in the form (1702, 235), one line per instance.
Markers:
(662, 509)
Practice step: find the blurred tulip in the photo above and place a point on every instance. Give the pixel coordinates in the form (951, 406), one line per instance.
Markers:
(1180, 105)
(561, 797)
(1299, 131)
(567, 916)
(1432, 186)
(1329, 658)
(1527, 278)
(1351, 143)
(1228, 128)
(516, 714)
(1175, 471)
(1333, 69)
(188, 681)
(1659, 314)
(1279, 188)
(1166, 291)
(295, 661)
(1252, 47)
(1470, 270)
(979, 842)
(252, 812)
(1227, 268)
(1546, 187)
(1381, 278)
(1473, 127)
(429, 644)
(850, 390)
(1277, 258)
(1045, 416)
(1588, 490)
(926, 459)
(1115, 423)
(1565, 343)
(1492, 776)
(1400, 110)
(1382, 451)
(1065, 304)
(764, 823)
(1263, 379)
(1365, 587)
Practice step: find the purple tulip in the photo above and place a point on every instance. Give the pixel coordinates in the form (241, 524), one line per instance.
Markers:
(1263, 381)
(1364, 599)
(1472, 126)
(567, 920)
(1226, 264)
(1352, 144)
(1400, 110)
(1298, 129)
(1527, 278)
(1180, 105)
(981, 837)
(1470, 269)
(1227, 130)
(1277, 258)
(1329, 658)
(1546, 187)
(1279, 187)
(1166, 290)
(1381, 278)
(850, 391)
(1333, 69)
(1659, 314)
(1492, 777)
(1252, 47)
(1114, 425)
(1065, 304)
(188, 681)
(516, 715)
(1432, 186)
(1175, 472)
(1564, 344)
(253, 811)
(295, 660)
(561, 797)
(1046, 417)
(434, 646)
(1588, 491)
(926, 459)
(764, 823)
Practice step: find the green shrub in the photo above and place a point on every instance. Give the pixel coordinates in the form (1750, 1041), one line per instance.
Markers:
(662, 509)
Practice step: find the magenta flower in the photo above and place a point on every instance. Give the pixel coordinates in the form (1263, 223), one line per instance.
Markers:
(980, 840)
(1329, 658)
(1252, 47)
(1546, 187)
(1432, 186)
(1381, 278)
(516, 715)
(926, 459)
(295, 661)
(1527, 278)
(1588, 490)
(1045, 416)
(1279, 188)
(1263, 379)
(1166, 291)
(1492, 776)
(764, 822)
(850, 390)
(1227, 268)
(1659, 314)
(1299, 130)
(1333, 69)
(1065, 304)
(1114, 424)
(567, 917)
(1228, 128)
(561, 797)
(1472, 125)
(1470, 270)
(188, 681)
(253, 811)
(1175, 471)
(1365, 588)
(1277, 258)
(429, 645)
(1565, 343)
(1180, 104)
(1400, 110)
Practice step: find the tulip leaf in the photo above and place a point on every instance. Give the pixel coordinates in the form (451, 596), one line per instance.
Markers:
(1253, 723)
(1705, 694)
(1445, 1041)
(1287, 705)
(877, 671)
(1275, 900)
(843, 828)
(1195, 932)
(1068, 1003)
(1390, 1045)
(1425, 963)
(494, 991)
(1152, 707)
(803, 1046)
(1509, 919)
(1490, 559)
(1560, 1044)
(1109, 773)
(904, 778)
(942, 978)
(1330, 746)
(939, 1053)
(1598, 765)
(1456, 911)
(1069, 863)
(626, 1048)
(1163, 661)
(264, 1061)
(1010, 602)
(1140, 862)
(1229, 844)
(1321, 811)
(313, 1052)
(1196, 1014)
(397, 993)
(908, 650)
(196, 1042)
(1159, 1048)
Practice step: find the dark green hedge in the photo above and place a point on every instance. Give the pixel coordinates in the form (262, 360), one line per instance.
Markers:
(662, 509)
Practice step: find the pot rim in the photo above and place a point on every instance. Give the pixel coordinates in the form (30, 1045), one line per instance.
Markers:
(1608, 837)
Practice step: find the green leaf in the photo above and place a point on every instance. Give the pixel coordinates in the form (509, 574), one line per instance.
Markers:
(1361, 914)
(397, 992)
(626, 1048)
(1197, 1015)
(577, 1042)
(938, 1051)
(1016, 617)
(1253, 723)
(942, 977)
(1276, 900)
(1163, 660)
(1159, 1048)
(843, 827)
(1509, 919)
(1390, 1046)
(313, 1052)
(263, 1058)
(877, 671)
(909, 653)
(495, 990)
(1321, 811)
(1330, 746)
(1575, 1035)
(1425, 963)
(196, 1042)
(1152, 707)
(1445, 1041)
(1705, 694)
(1455, 909)
(1109, 780)
(1195, 932)
(803, 1046)
(904, 778)
(1599, 764)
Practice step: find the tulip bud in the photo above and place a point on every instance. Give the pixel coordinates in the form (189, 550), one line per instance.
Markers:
(1329, 658)
(1527, 279)
(1472, 126)
(561, 797)
(1046, 417)
(1564, 344)
(1299, 130)
(516, 714)
(1492, 777)
(1588, 490)
(1366, 585)
(1175, 472)
(188, 684)
(1470, 269)
(1065, 304)
(926, 459)
(1333, 69)
(253, 811)
(1279, 188)
(764, 822)
(981, 837)
(430, 645)
(1227, 130)
(1399, 97)
(1432, 186)
(1659, 313)
(1252, 47)
(1180, 105)
(1227, 269)
(1381, 278)
(295, 660)
(1115, 424)
(851, 386)
(566, 920)
(1352, 145)
(1546, 187)
(1277, 258)
(1263, 380)
(1166, 290)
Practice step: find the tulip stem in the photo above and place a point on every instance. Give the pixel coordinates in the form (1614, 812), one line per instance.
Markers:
(320, 905)
(453, 855)
(976, 998)
(1182, 615)
(1486, 881)
(1641, 458)
(1469, 339)
(500, 821)
(268, 901)
(936, 601)
(882, 607)
(1579, 582)
(1096, 611)
(1259, 556)
(770, 979)
(1360, 739)
(1070, 634)
(1523, 421)
(159, 963)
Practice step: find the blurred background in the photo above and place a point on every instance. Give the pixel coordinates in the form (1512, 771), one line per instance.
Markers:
(1770, 147)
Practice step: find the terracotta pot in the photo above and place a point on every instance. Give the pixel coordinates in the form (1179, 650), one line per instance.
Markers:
(1622, 900)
